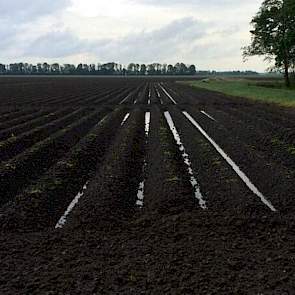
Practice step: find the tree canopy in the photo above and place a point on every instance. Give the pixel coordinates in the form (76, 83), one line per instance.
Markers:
(110, 68)
(273, 34)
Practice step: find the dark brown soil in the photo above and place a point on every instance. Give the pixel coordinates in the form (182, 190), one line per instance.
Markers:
(109, 245)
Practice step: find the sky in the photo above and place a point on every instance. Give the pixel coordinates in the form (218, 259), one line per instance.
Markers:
(208, 33)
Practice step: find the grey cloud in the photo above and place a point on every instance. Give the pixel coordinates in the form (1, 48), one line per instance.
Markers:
(18, 17)
(9, 37)
(56, 44)
(28, 10)
(161, 44)
(202, 3)
(182, 39)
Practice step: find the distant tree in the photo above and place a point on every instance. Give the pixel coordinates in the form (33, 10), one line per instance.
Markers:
(181, 69)
(79, 69)
(98, 68)
(151, 69)
(164, 69)
(158, 68)
(131, 68)
(92, 68)
(45, 67)
(39, 68)
(116, 69)
(68, 69)
(170, 70)
(20, 68)
(55, 68)
(143, 69)
(192, 70)
(34, 69)
(14, 68)
(273, 34)
(102, 69)
(86, 68)
(26, 68)
(177, 68)
(110, 68)
(137, 69)
(2, 69)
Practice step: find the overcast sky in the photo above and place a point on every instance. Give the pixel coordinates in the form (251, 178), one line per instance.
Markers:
(207, 33)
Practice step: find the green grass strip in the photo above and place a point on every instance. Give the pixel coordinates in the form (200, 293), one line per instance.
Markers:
(249, 89)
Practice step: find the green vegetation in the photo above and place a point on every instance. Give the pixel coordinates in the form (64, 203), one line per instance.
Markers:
(273, 35)
(269, 92)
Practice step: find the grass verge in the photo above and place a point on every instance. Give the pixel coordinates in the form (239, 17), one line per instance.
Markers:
(248, 89)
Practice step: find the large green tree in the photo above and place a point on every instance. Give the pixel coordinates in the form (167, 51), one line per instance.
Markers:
(273, 34)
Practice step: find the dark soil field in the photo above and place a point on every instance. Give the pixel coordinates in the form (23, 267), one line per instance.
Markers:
(143, 186)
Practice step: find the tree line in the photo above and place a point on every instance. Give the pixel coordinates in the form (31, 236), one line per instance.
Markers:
(97, 69)
(273, 35)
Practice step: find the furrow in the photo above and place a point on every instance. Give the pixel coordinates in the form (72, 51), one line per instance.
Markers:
(187, 162)
(27, 166)
(235, 167)
(17, 144)
(41, 205)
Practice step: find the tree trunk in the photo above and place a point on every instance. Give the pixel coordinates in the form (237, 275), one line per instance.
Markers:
(287, 78)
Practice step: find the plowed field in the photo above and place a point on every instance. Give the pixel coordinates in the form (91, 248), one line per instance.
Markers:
(143, 186)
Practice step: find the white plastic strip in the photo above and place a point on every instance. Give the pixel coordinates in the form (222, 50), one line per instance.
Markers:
(147, 123)
(63, 219)
(102, 120)
(234, 166)
(140, 192)
(185, 156)
(171, 98)
(75, 201)
(172, 91)
(125, 98)
(158, 93)
(125, 119)
(207, 115)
